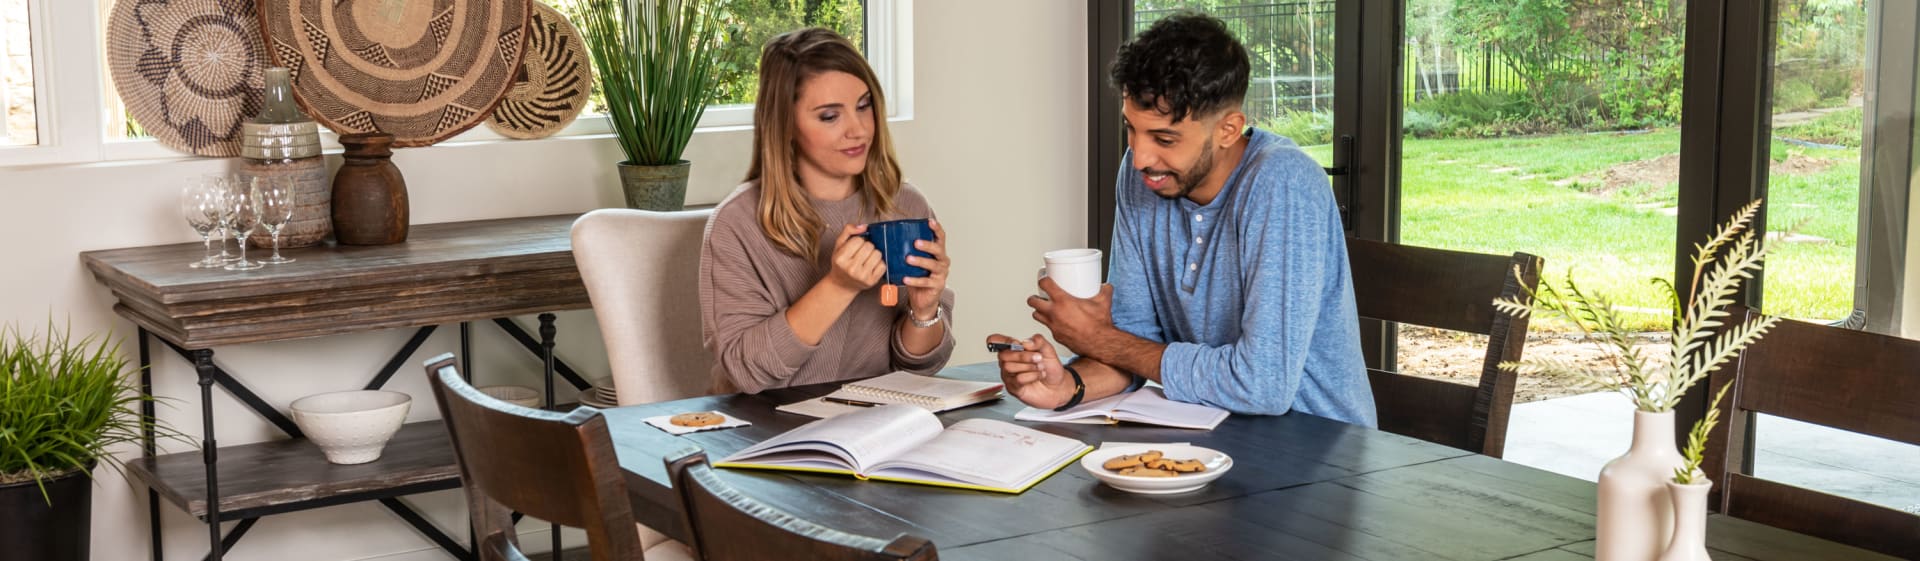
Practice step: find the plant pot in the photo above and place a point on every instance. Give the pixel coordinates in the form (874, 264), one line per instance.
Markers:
(658, 188)
(1689, 521)
(369, 195)
(33, 529)
(1635, 521)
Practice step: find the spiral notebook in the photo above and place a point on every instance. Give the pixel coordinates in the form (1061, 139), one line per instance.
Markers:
(932, 393)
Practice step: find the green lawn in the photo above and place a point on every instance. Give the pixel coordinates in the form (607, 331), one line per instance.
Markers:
(1543, 195)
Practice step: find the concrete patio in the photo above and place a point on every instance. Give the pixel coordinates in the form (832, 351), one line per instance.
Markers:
(1577, 435)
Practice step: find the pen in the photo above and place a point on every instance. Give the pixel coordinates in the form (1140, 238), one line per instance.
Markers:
(855, 403)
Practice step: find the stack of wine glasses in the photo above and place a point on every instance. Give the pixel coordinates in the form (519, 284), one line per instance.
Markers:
(231, 207)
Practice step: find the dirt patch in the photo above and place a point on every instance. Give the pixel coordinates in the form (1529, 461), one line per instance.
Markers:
(1801, 164)
(1656, 171)
(1666, 169)
(1458, 358)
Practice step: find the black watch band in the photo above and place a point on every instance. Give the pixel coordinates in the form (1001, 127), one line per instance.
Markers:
(1079, 389)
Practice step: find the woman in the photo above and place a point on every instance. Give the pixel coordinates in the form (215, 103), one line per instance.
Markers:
(788, 294)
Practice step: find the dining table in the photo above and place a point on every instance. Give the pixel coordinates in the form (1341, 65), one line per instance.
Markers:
(1301, 487)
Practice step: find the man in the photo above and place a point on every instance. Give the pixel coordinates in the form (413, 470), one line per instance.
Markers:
(1229, 282)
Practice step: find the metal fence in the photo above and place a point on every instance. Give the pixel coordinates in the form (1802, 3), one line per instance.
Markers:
(1291, 46)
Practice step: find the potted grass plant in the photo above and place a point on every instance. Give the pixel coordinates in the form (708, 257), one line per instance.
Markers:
(1636, 518)
(655, 62)
(63, 404)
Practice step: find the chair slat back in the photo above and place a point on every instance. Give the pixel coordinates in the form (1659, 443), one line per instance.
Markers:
(1450, 290)
(558, 467)
(729, 526)
(1850, 380)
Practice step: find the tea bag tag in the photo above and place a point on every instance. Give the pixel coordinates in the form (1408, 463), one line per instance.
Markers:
(889, 295)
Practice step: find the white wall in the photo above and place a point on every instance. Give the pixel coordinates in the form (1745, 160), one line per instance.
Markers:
(996, 141)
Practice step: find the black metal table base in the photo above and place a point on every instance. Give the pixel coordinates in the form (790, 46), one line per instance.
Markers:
(210, 374)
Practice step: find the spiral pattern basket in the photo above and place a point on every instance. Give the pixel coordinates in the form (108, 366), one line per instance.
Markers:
(420, 70)
(189, 71)
(556, 80)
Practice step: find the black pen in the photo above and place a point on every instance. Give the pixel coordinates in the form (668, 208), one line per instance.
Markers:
(855, 403)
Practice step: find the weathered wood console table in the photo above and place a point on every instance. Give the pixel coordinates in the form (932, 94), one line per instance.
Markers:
(444, 273)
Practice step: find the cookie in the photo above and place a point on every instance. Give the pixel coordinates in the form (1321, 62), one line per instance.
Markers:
(701, 419)
(1147, 472)
(1118, 463)
(1131, 460)
(1184, 466)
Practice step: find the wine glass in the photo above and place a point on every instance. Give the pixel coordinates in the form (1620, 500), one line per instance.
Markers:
(201, 205)
(273, 203)
(238, 214)
(218, 186)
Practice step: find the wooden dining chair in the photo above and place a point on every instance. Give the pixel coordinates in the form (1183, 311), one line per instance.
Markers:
(1850, 380)
(558, 467)
(1449, 290)
(729, 526)
(642, 272)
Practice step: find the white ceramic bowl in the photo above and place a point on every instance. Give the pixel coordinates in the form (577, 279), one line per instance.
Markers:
(518, 395)
(1217, 465)
(351, 427)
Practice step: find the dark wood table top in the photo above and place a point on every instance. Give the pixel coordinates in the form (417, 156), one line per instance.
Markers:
(1302, 487)
(443, 273)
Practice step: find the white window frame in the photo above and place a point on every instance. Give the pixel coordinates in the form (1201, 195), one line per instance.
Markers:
(70, 82)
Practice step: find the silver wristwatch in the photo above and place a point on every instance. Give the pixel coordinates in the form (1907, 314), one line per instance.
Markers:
(937, 316)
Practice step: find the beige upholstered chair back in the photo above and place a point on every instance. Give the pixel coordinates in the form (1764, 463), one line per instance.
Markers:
(642, 271)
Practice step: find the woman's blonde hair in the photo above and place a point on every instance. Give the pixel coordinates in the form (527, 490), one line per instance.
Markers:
(785, 212)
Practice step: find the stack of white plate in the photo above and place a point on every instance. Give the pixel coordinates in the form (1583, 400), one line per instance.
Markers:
(601, 395)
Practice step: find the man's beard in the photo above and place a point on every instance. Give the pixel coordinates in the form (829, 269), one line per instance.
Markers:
(1192, 177)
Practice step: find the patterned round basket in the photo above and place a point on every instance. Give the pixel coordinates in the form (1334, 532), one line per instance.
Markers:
(554, 84)
(189, 71)
(421, 70)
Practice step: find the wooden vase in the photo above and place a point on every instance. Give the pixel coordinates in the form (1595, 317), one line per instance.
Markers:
(369, 195)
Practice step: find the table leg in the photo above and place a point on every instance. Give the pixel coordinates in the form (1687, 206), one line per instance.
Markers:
(209, 450)
(547, 332)
(147, 442)
(466, 351)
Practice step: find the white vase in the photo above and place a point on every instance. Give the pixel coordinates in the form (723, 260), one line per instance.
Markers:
(1636, 517)
(1689, 521)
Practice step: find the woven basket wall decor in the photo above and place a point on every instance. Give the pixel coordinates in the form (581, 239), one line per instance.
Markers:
(189, 71)
(555, 80)
(420, 70)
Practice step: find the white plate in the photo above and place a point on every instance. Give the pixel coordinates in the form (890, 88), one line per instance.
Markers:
(1217, 465)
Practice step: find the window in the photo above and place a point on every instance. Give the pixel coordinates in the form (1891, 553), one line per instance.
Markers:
(21, 126)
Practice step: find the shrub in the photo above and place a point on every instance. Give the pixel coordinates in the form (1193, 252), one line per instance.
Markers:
(1306, 128)
(1794, 95)
(1423, 124)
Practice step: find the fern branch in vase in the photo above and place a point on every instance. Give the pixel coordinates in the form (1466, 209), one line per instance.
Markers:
(1702, 337)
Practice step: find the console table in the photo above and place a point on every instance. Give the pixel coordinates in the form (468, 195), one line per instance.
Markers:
(444, 273)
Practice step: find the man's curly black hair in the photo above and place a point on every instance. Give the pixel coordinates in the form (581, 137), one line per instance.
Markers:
(1187, 63)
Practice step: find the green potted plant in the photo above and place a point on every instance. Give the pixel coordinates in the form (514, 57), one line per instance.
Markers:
(1635, 518)
(63, 404)
(655, 61)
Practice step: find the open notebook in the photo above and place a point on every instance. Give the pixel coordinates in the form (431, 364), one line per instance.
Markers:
(928, 392)
(907, 444)
(1149, 405)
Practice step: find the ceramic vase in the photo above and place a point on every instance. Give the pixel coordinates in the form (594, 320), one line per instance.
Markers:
(1689, 521)
(656, 188)
(282, 142)
(369, 195)
(1636, 516)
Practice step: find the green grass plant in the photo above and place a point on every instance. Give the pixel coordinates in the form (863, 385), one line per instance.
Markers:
(654, 59)
(63, 404)
(1545, 195)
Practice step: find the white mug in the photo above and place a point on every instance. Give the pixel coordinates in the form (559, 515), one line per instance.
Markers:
(1077, 271)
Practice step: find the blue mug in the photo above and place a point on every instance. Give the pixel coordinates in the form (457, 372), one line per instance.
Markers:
(894, 239)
